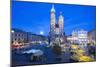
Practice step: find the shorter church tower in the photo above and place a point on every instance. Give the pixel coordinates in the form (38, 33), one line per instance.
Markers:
(61, 23)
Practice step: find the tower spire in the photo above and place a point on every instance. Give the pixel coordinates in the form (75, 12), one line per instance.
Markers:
(53, 9)
(60, 17)
(61, 23)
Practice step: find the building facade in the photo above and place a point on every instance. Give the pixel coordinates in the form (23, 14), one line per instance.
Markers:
(79, 37)
(56, 28)
(92, 36)
(18, 36)
(83, 37)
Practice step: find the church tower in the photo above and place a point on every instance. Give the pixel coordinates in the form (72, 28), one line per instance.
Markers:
(52, 24)
(53, 21)
(56, 29)
(61, 23)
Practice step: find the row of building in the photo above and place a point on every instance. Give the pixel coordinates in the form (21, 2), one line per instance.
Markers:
(82, 37)
(20, 36)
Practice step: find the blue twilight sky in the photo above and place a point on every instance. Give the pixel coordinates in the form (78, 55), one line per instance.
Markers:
(35, 16)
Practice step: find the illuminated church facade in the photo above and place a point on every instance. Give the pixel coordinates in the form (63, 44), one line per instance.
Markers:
(56, 28)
